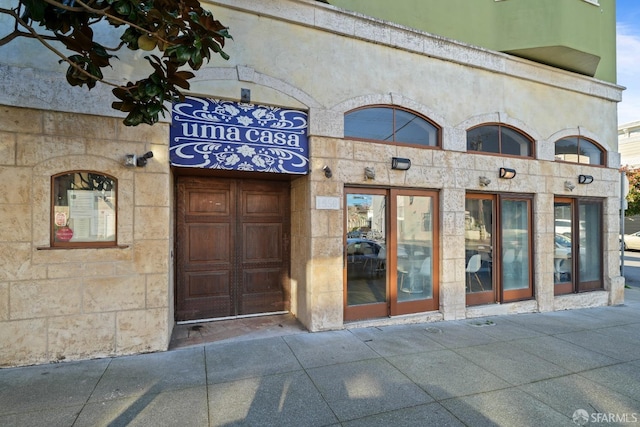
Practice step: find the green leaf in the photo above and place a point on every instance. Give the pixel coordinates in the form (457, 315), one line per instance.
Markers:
(134, 118)
(34, 9)
(123, 8)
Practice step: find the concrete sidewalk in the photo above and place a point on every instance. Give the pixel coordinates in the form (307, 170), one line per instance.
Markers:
(515, 370)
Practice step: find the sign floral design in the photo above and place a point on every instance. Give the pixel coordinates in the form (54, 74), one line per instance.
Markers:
(218, 134)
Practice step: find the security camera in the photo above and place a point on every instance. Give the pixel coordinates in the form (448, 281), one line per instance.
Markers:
(142, 160)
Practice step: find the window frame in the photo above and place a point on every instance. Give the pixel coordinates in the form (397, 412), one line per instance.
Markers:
(52, 220)
(394, 108)
(603, 152)
(532, 145)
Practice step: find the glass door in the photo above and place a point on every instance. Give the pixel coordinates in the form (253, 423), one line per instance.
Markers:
(415, 252)
(563, 247)
(479, 244)
(365, 251)
(515, 238)
(390, 256)
(589, 237)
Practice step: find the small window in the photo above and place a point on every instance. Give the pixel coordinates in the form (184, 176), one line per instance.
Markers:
(579, 150)
(83, 212)
(499, 139)
(389, 124)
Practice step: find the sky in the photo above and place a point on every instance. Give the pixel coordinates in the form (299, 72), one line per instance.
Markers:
(628, 54)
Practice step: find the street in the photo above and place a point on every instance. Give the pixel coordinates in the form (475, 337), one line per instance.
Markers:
(632, 268)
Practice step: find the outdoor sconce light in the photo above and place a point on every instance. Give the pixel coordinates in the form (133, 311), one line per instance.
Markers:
(585, 179)
(369, 173)
(568, 185)
(133, 160)
(484, 181)
(327, 171)
(400, 164)
(507, 173)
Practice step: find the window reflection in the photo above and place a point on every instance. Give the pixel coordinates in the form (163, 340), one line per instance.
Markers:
(515, 244)
(366, 249)
(578, 150)
(390, 125)
(414, 248)
(478, 245)
(499, 139)
(590, 259)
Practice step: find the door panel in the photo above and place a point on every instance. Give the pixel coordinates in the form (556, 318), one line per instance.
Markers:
(365, 272)
(264, 255)
(205, 249)
(563, 266)
(479, 248)
(209, 243)
(416, 251)
(263, 242)
(515, 243)
(232, 247)
(589, 238)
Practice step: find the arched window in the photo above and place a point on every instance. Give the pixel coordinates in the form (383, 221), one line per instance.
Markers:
(576, 149)
(390, 124)
(83, 210)
(499, 139)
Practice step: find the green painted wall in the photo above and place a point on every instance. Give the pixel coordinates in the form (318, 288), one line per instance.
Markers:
(570, 34)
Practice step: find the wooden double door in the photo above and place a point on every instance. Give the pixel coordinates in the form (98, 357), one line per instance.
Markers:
(232, 247)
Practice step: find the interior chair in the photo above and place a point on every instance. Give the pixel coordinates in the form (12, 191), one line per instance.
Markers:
(473, 266)
(508, 262)
(562, 269)
(369, 256)
(425, 273)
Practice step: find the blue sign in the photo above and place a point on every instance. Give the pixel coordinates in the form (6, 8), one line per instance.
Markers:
(216, 134)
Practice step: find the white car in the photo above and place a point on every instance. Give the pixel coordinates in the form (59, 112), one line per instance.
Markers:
(632, 241)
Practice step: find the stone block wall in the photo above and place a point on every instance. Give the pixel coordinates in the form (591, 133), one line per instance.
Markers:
(65, 304)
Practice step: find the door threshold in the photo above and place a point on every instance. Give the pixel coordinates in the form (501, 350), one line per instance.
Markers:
(267, 325)
(217, 319)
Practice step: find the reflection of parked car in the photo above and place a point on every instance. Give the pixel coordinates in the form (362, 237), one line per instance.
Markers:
(563, 246)
(632, 241)
(563, 242)
(361, 249)
(564, 227)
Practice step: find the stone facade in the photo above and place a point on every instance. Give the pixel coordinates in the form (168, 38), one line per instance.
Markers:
(59, 304)
(80, 303)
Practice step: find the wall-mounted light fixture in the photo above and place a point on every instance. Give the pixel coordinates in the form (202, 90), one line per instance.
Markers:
(484, 181)
(507, 173)
(327, 171)
(400, 164)
(139, 161)
(568, 185)
(585, 179)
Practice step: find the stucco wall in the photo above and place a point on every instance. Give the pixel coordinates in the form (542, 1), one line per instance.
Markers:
(58, 304)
